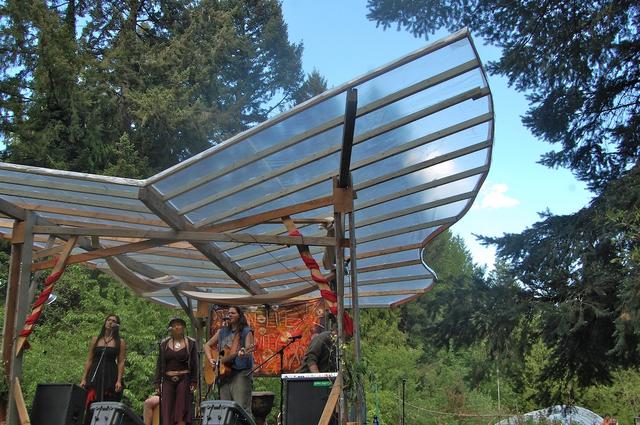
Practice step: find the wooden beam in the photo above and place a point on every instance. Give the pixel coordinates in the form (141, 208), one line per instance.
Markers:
(11, 302)
(417, 208)
(125, 217)
(389, 293)
(71, 185)
(330, 406)
(382, 280)
(386, 266)
(59, 267)
(279, 272)
(12, 210)
(387, 251)
(47, 252)
(152, 199)
(269, 297)
(18, 233)
(22, 306)
(409, 229)
(299, 221)
(270, 215)
(430, 163)
(342, 197)
(68, 174)
(191, 236)
(80, 200)
(23, 414)
(102, 253)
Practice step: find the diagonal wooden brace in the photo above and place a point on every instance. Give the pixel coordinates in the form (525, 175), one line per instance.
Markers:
(59, 267)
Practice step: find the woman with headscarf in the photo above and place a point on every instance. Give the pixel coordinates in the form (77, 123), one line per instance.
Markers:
(177, 375)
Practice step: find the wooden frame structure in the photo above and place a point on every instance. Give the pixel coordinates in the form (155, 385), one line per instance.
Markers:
(415, 149)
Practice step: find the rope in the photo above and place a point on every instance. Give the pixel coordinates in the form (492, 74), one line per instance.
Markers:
(323, 284)
(38, 306)
(464, 415)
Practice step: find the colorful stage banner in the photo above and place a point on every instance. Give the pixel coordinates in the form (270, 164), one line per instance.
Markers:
(274, 328)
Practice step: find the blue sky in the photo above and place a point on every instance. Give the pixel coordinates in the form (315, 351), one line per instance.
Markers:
(342, 44)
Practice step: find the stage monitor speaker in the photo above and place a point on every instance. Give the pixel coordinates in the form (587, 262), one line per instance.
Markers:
(58, 404)
(305, 397)
(113, 413)
(224, 412)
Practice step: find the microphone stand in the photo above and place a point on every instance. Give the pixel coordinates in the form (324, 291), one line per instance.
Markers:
(216, 370)
(281, 353)
(95, 372)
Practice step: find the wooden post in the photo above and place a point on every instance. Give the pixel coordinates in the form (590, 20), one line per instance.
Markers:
(338, 224)
(330, 406)
(11, 301)
(21, 340)
(23, 415)
(21, 308)
(355, 311)
(343, 203)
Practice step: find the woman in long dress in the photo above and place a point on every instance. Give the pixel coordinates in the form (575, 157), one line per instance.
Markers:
(177, 375)
(104, 368)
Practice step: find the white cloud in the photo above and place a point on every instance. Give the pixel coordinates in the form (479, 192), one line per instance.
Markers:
(495, 196)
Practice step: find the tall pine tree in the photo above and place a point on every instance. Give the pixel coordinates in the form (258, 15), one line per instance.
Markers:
(578, 63)
(168, 77)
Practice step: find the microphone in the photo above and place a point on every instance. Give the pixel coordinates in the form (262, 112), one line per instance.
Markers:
(115, 325)
(295, 337)
(226, 318)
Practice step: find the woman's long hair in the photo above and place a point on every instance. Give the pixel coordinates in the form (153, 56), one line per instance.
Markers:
(115, 333)
(242, 320)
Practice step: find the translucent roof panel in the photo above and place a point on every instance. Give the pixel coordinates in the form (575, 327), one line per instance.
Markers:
(422, 147)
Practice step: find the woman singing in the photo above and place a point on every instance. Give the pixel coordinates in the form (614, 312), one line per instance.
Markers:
(104, 367)
(236, 340)
(177, 375)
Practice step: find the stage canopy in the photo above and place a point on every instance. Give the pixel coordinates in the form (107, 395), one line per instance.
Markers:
(421, 150)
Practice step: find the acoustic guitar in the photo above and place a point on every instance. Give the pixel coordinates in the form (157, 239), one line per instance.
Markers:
(225, 359)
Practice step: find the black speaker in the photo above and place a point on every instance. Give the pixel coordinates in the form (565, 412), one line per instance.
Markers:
(113, 413)
(305, 397)
(58, 404)
(224, 412)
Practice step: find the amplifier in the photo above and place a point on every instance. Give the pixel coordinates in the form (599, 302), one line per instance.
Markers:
(305, 397)
(58, 404)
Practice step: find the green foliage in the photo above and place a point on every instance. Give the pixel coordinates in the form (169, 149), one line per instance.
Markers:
(575, 276)
(437, 387)
(582, 82)
(620, 399)
(60, 342)
(447, 255)
(577, 273)
(4, 387)
(314, 85)
(131, 88)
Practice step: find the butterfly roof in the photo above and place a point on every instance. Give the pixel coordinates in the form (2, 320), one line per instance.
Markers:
(421, 150)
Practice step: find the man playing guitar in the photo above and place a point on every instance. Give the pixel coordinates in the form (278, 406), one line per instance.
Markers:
(229, 351)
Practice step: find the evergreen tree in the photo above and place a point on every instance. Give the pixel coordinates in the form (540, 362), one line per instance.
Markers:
(172, 77)
(578, 63)
(314, 85)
